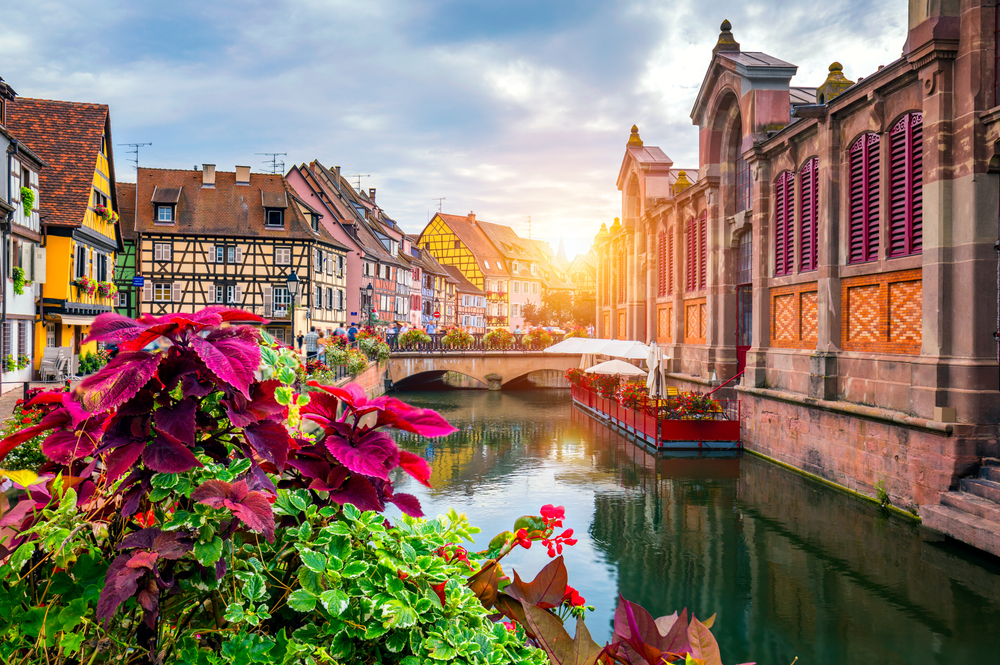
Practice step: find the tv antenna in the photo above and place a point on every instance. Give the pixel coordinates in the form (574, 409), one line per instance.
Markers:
(440, 199)
(276, 166)
(135, 162)
(359, 177)
(529, 227)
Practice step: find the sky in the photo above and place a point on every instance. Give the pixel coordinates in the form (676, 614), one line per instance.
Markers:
(511, 109)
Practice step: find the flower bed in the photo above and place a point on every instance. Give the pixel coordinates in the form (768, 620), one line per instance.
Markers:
(197, 504)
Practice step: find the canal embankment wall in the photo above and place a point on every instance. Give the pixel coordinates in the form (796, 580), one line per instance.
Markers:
(862, 448)
(372, 380)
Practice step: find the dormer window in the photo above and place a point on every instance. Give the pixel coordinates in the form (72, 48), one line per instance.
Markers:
(534, 269)
(275, 219)
(514, 266)
(164, 214)
(314, 218)
(487, 264)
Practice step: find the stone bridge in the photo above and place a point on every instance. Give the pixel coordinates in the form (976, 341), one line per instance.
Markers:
(495, 369)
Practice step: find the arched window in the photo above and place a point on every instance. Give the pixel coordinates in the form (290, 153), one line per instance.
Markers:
(906, 173)
(864, 202)
(784, 211)
(808, 222)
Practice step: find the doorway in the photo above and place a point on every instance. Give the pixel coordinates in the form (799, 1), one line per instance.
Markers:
(744, 299)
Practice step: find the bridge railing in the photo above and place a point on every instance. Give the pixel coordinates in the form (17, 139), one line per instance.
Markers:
(478, 345)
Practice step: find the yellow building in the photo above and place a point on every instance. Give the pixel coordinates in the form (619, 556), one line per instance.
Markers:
(78, 216)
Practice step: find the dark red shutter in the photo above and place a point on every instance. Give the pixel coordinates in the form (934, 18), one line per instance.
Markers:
(782, 211)
(703, 249)
(863, 236)
(906, 186)
(662, 263)
(691, 258)
(670, 262)
(808, 228)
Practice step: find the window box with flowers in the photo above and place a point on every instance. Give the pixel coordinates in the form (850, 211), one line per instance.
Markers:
(19, 281)
(107, 289)
(107, 214)
(23, 361)
(9, 363)
(85, 285)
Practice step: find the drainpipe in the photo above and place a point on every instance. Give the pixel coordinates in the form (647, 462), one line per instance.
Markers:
(4, 229)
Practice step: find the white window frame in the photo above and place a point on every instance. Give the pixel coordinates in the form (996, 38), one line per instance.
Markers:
(282, 256)
(161, 292)
(162, 218)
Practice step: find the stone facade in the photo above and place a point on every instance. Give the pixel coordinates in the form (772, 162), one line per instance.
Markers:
(835, 244)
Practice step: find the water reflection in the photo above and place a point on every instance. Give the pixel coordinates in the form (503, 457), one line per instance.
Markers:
(793, 568)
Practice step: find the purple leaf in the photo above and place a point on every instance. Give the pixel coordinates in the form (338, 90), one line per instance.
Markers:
(322, 408)
(120, 584)
(372, 454)
(168, 455)
(416, 466)
(252, 508)
(358, 491)
(261, 404)
(64, 445)
(231, 358)
(115, 328)
(230, 314)
(398, 414)
(121, 459)
(408, 504)
(270, 440)
(118, 381)
(141, 539)
(177, 420)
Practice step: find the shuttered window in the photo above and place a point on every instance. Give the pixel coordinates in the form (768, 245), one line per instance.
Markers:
(282, 256)
(784, 250)
(317, 261)
(662, 263)
(906, 186)
(268, 295)
(622, 257)
(670, 262)
(808, 222)
(864, 201)
(692, 258)
(703, 250)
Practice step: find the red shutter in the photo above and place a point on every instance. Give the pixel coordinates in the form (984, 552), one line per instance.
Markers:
(691, 241)
(780, 214)
(808, 228)
(670, 262)
(863, 236)
(703, 249)
(621, 275)
(662, 241)
(906, 186)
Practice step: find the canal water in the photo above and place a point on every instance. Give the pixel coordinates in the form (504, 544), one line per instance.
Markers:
(793, 568)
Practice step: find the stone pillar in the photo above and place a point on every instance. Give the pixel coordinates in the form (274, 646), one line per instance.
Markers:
(756, 369)
(493, 381)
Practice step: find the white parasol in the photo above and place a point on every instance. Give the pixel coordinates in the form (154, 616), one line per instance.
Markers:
(619, 367)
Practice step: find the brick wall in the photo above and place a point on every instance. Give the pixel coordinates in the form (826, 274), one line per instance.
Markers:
(695, 321)
(794, 316)
(882, 313)
(370, 380)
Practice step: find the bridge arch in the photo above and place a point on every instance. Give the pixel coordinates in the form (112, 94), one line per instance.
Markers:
(493, 369)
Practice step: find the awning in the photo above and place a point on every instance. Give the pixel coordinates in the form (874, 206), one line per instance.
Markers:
(71, 320)
(617, 348)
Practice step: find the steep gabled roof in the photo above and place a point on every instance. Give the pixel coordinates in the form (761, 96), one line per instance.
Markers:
(227, 209)
(67, 136)
(473, 237)
(463, 285)
(126, 209)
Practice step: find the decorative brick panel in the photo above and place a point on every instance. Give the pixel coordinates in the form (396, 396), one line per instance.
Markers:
(606, 328)
(664, 318)
(808, 316)
(882, 313)
(695, 321)
(793, 316)
(622, 326)
(863, 304)
(905, 311)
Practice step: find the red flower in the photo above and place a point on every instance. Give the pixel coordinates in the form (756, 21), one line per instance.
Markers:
(439, 590)
(573, 598)
(522, 538)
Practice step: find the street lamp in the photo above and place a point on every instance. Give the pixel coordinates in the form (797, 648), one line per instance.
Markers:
(370, 293)
(292, 282)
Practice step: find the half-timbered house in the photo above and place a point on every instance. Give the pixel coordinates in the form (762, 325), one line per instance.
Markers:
(470, 302)
(371, 259)
(215, 237)
(77, 215)
(23, 256)
(460, 242)
(127, 299)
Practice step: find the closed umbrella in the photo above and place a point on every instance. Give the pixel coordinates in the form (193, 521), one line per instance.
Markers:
(654, 383)
(619, 367)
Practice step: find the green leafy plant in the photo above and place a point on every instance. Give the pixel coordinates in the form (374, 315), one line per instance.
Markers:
(19, 281)
(23, 361)
(9, 363)
(882, 494)
(577, 331)
(27, 200)
(28, 455)
(537, 338)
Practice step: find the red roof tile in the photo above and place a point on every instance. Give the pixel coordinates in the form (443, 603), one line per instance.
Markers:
(67, 135)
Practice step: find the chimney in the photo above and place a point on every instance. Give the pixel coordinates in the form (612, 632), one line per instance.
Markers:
(336, 169)
(208, 175)
(242, 175)
(371, 194)
(934, 25)
(472, 218)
